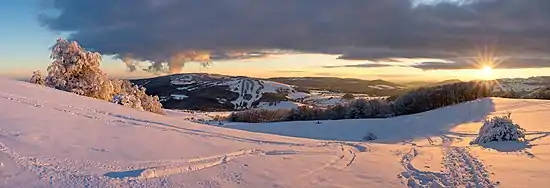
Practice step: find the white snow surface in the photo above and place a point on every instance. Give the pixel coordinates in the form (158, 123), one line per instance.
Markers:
(179, 96)
(50, 138)
(434, 148)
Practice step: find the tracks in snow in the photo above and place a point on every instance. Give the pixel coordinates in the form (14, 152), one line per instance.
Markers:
(465, 169)
(57, 171)
(461, 169)
(181, 166)
(171, 167)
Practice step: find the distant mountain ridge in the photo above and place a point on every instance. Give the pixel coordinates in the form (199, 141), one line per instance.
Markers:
(213, 92)
(344, 85)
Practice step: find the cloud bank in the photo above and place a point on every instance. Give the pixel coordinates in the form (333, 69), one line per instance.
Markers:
(169, 33)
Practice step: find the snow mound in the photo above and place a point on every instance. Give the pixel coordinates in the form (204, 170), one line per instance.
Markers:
(499, 128)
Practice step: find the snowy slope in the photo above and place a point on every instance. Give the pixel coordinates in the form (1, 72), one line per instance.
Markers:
(51, 138)
(216, 92)
(438, 151)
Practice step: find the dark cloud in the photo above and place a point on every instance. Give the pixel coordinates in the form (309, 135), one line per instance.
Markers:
(364, 65)
(170, 32)
(510, 63)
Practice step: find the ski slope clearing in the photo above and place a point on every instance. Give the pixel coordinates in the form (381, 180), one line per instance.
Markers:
(439, 154)
(51, 138)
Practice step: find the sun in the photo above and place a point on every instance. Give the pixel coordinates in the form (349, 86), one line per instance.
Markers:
(487, 72)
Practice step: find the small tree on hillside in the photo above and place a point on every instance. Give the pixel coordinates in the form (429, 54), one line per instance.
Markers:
(76, 70)
(132, 96)
(37, 78)
(348, 96)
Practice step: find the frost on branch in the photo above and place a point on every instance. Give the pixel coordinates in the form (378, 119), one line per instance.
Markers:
(499, 128)
(37, 78)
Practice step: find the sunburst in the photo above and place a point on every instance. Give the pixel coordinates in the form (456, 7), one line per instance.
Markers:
(486, 61)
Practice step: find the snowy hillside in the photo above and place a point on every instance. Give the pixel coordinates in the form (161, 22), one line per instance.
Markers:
(521, 84)
(50, 138)
(217, 92)
(211, 92)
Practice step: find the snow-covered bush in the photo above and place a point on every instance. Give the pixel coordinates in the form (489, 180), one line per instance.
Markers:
(127, 94)
(369, 136)
(348, 96)
(37, 78)
(499, 128)
(76, 70)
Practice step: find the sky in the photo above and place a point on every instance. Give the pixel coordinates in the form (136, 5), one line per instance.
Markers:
(395, 40)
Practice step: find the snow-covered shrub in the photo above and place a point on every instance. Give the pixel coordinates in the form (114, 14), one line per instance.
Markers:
(348, 96)
(76, 70)
(37, 78)
(369, 136)
(499, 128)
(132, 96)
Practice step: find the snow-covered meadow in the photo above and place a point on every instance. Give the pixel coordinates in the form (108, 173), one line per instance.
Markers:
(51, 138)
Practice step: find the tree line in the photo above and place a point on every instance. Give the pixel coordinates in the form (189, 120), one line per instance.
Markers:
(414, 101)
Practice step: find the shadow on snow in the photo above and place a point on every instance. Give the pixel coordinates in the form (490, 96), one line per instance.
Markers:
(388, 130)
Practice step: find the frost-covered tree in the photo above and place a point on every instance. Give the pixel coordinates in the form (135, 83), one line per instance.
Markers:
(499, 128)
(37, 78)
(76, 70)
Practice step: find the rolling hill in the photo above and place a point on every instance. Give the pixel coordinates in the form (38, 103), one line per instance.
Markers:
(343, 85)
(211, 92)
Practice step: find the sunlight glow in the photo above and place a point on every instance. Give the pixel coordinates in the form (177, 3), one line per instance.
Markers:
(486, 61)
(487, 72)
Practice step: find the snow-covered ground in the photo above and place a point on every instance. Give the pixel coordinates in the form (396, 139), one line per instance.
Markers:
(51, 138)
(434, 146)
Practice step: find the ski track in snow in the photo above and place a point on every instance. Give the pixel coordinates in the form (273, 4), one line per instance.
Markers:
(66, 172)
(461, 169)
(346, 158)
